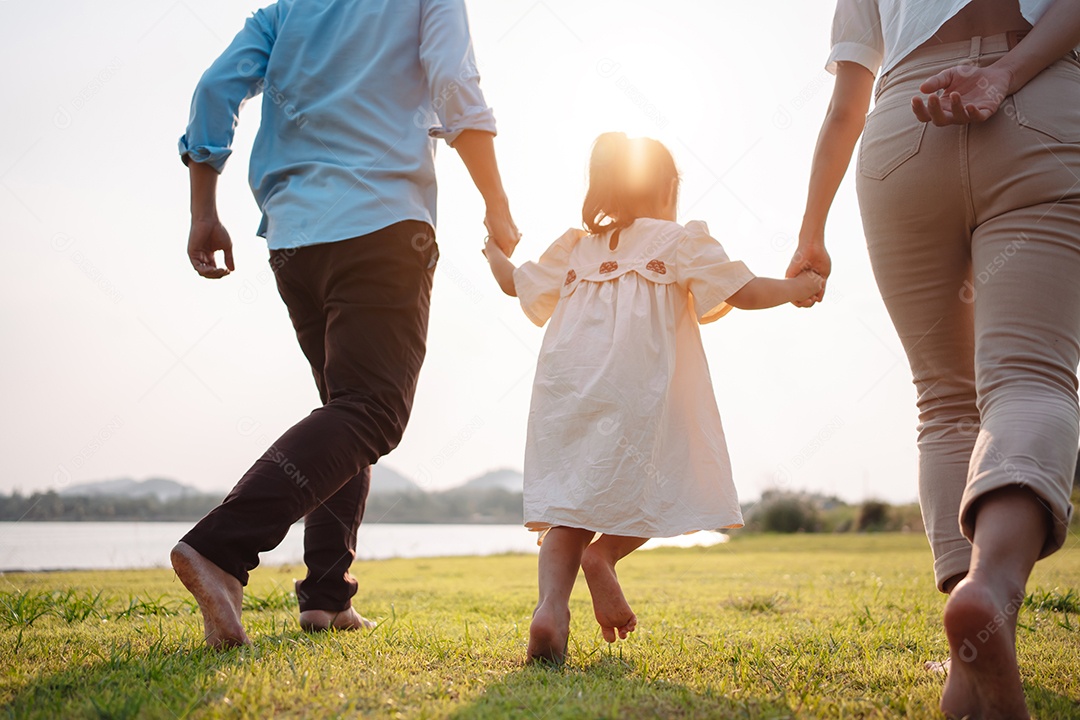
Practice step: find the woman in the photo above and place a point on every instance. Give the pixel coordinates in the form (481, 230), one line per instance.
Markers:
(973, 228)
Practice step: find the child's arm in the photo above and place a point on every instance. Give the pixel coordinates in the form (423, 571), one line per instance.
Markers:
(761, 293)
(501, 267)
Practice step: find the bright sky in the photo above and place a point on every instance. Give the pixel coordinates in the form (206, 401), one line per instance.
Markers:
(122, 362)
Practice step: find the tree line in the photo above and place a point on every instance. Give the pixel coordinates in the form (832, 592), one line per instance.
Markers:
(776, 511)
(460, 505)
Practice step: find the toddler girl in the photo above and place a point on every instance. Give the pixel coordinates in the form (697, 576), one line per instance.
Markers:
(624, 436)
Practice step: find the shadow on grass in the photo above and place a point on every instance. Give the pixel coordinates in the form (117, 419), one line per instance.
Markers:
(1044, 703)
(610, 687)
(125, 679)
(607, 687)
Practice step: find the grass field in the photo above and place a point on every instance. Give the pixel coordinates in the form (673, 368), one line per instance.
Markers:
(762, 627)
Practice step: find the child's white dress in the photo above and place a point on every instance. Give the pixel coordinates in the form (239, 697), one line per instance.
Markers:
(624, 435)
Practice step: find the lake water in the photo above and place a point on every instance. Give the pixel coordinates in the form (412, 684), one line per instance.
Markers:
(123, 545)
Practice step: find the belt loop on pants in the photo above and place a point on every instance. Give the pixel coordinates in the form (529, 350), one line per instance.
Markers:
(976, 47)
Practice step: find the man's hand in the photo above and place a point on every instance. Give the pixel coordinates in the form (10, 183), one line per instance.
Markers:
(501, 228)
(811, 255)
(206, 238)
(962, 95)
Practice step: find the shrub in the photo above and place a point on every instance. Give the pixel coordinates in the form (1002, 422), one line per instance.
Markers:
(839, 518)
(873, 516)
(789, 513)
(906, 518)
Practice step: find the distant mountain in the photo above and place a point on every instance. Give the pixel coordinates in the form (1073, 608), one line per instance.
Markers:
(385, 481)
(507, 479)
(160, 488)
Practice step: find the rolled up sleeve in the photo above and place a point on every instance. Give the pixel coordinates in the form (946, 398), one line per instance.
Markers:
(235, 77)
(446, 53)
(856, 35)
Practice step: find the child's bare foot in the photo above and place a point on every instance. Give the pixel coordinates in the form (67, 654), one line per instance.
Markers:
(610, 607)
(984, 680)
(938, 667)
(549, 635)
(219, 594)
(321, 620)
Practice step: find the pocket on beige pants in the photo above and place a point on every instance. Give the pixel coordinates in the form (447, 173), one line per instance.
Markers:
(896, 135)
(1040, 106)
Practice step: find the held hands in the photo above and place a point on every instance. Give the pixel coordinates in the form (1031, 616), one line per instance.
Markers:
(501, 228)
(206, 238)
(500, 265)
(811, 286)
(812, 261)
(961, 95)
(492, 249)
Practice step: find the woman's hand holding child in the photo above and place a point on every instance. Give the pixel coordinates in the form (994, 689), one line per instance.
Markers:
(811, 287)
(764, 292)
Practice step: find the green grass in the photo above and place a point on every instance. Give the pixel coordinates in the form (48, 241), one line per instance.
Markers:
(763, 627)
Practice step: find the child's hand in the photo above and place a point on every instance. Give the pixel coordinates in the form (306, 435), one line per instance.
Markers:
(811, 255)
(500, 265)
(811, 286)
(492, 249)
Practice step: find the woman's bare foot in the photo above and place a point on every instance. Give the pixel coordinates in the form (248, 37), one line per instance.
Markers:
(322, 620)
(549, 635)
(219, 594)
(984, 680)
(610, 607)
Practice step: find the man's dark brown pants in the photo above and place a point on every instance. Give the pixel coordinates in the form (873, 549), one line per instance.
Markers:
(360, 309)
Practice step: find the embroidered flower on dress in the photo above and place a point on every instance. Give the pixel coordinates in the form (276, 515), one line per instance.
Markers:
(657, 266)
(570, 277)
(608, 267)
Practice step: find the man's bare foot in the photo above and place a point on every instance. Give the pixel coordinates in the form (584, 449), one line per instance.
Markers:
(984, 680)
(609, 604)
(219, 594)
(322, 620)
(549, 635)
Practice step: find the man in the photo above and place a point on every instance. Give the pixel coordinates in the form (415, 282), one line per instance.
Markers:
(354, 96)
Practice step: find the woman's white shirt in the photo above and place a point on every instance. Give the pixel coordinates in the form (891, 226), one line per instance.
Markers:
(878, 34)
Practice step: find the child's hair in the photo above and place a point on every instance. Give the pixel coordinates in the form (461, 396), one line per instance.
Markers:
(628, 179)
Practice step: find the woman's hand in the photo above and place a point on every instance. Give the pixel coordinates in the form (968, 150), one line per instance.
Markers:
(961, 95)
(811, 255)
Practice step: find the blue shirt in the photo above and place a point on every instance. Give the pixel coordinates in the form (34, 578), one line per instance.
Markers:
(355, 93)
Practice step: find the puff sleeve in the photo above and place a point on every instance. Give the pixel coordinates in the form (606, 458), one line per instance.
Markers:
(540, 283)
(856, 35)
(705, 270)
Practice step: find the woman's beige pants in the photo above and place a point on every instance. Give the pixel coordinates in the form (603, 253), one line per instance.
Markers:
(974, 237)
